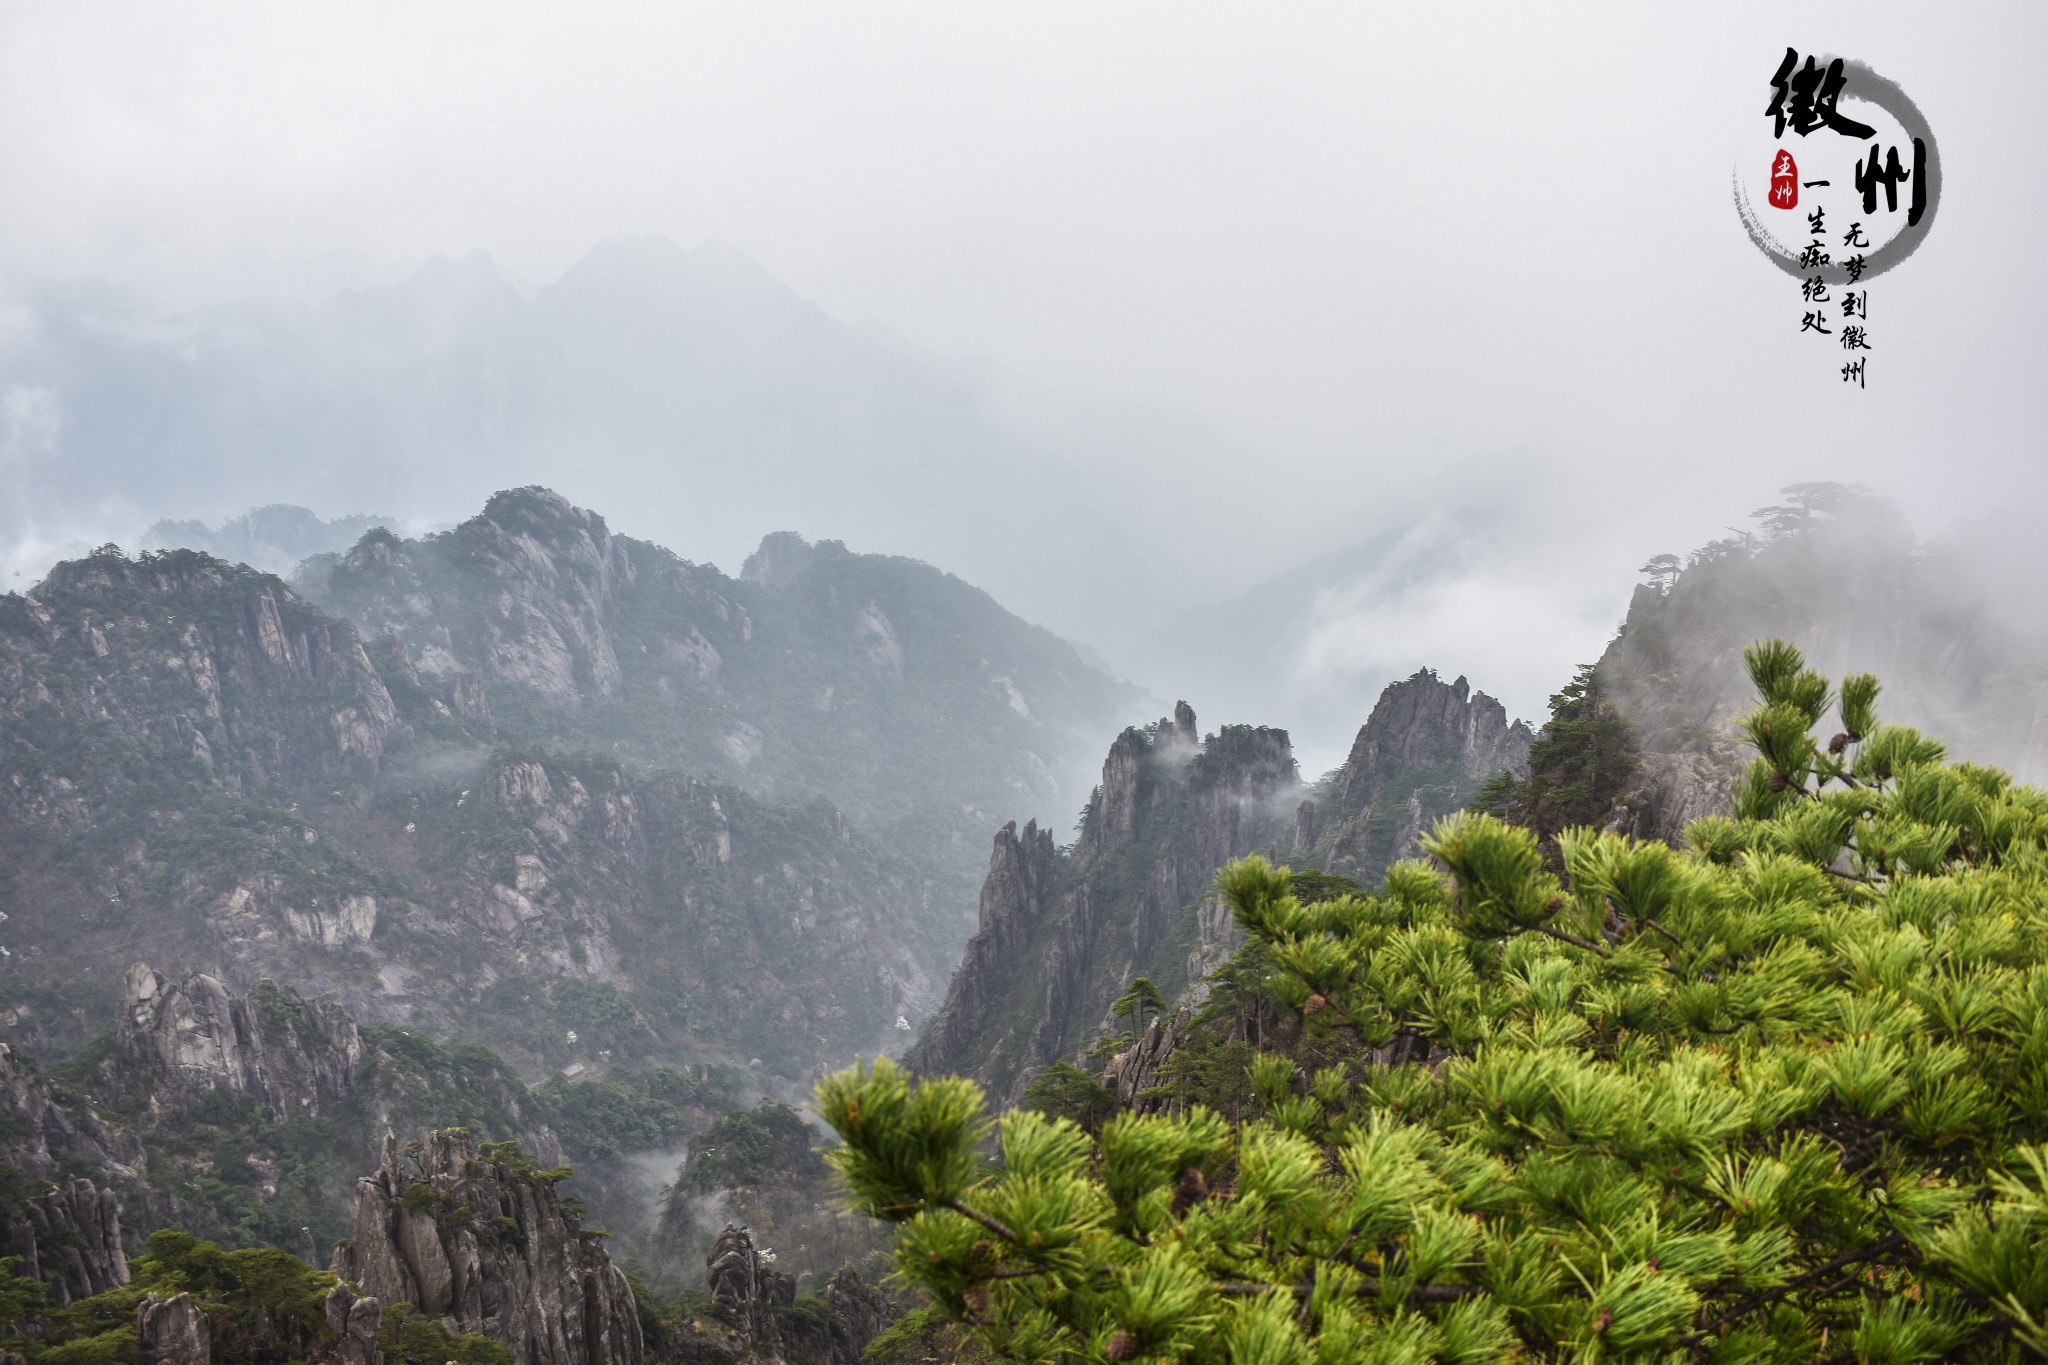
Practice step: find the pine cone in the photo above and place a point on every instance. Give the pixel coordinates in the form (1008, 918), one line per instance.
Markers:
(1192, 1188)
(1779, 782)
(1120, 1346)
(1838, 743)
(1313, 1005)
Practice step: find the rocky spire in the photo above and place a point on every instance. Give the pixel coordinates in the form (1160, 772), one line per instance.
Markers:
(479, 1238)
(1062, 932)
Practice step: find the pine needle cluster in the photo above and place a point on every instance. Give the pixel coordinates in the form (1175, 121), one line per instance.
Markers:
(1781, 1095)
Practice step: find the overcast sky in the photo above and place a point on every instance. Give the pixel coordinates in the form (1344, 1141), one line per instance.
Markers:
(1364, 239)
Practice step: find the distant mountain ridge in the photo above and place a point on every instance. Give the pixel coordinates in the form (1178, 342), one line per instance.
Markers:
(687, 387)
(560, 788)
(885, 685)
(276, 539)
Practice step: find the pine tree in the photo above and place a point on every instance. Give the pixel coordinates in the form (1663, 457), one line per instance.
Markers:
(1579, 766)
(1139, 998)
(1780, 1095)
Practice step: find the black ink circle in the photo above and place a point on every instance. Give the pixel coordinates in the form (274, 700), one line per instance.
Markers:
(1870, 88)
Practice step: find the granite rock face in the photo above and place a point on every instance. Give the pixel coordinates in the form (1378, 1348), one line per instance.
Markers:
(758, 1300)
(1424, 752)
(554, 574)
(67, 1229)
(748, 1290)
(295, 1056)
(483, 1242)
(172, 1331)
(1061, 931)
(69, 1237)
(355, 1320)
(218, 665)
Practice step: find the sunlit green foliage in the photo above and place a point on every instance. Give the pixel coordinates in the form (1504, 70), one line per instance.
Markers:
(1781, 1095)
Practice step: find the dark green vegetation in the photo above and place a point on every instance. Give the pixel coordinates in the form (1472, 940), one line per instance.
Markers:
(1580, 764)
(1774, 1096)
(262, 1305)
(751, 1147)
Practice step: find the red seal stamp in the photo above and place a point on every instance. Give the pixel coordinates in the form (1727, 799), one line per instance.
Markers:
(1784, 181)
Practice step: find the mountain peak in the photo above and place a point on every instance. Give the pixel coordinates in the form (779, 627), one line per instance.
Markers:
(781, 559)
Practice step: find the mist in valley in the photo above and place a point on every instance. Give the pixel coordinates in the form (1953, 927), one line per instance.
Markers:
(734, 495)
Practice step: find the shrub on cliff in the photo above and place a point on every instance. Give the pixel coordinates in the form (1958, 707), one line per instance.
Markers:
(1782, 1095)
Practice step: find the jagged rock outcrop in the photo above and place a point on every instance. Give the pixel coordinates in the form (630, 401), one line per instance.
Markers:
(1136, 1069)
(757, 1299)
(1018, 899)
(355, 1320)
(186, 1039)
(1424, 752)
(172, 1331)
(69, 1237)
(1061, 932)
(748, 1290)
(482, 1241)
(66, 1228)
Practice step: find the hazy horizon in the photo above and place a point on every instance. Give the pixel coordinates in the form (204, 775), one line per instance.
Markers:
(1227, 294)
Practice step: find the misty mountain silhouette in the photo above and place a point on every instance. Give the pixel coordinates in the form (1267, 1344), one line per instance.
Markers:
(688, 387)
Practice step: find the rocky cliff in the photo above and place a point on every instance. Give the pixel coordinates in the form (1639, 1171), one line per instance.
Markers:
(762, 1302)
(1425, 751)
(1839, 574)
(245, 1119)
(59, 1167)
(885, 684)
(295, 1057)
(479, 1237)
(1061, 932)
(199, 768)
